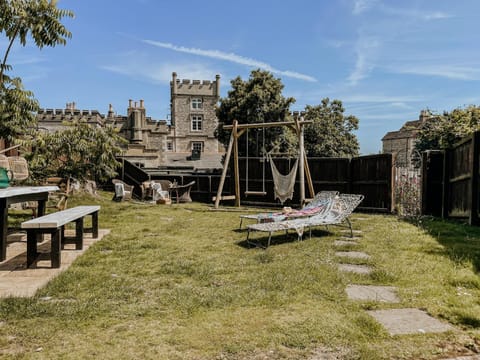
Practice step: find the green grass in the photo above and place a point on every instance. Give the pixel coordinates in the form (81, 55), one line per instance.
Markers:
(178, 282)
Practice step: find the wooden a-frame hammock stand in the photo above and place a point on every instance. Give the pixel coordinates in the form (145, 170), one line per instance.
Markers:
(237, 131)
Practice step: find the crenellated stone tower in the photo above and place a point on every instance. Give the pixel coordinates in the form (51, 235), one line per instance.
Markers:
(193, 118)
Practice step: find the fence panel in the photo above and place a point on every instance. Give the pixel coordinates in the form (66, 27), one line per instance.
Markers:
(459, 179)
(372, 176)
(432, 183)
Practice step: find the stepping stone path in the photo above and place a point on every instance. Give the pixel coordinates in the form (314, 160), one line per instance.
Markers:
(353, 231)
(395, 321)
(408, 321)
(349, 238)
(353, 255)
(357, 269)
(373, 293)
(345, 243)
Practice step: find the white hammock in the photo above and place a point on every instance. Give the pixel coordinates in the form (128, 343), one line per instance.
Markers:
(283, 184)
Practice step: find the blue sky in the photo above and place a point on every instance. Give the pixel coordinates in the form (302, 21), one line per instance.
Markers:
(386, 60)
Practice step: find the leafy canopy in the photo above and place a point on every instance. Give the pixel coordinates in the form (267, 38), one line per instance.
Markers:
(331, 133)
(81, 151)
(23, 20)
(442, 131)
(256, 100)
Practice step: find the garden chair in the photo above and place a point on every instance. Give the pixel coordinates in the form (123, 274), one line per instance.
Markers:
(181, 192)
(123, 191)
(337, 214)
(4, 162)
(19, 168)
(147, 190)
(318, 204)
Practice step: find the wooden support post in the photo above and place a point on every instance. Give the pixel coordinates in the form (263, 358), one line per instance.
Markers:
(309, 176)
(301, 163)
(236, 169)
(224, 171)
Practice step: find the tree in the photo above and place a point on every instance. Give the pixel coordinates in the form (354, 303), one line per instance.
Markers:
(442, 131)
(38, 19)
(81, 151)
(22, 20)
(331, 133)
(257, 100)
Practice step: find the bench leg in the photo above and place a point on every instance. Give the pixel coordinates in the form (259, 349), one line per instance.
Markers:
(63, 236)
(79, 234)
(55, 253)
(31, 247)
(95, 225)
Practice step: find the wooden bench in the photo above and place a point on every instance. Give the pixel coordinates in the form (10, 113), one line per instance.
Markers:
(54, 224)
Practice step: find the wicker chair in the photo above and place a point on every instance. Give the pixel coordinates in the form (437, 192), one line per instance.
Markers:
(4, 162)
(19, 167)
(181, 192)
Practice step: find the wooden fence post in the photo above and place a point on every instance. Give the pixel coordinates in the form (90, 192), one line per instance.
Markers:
(473, 218)
(446, 183)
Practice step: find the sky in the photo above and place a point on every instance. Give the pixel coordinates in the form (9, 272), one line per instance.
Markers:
(386, 60)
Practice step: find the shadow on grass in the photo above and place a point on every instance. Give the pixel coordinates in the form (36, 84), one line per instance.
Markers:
(461, 241)
(278, 238)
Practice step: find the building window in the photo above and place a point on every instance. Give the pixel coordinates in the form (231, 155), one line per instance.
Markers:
(169, 146)
(197, 146)
(197, 104)
(197, 122)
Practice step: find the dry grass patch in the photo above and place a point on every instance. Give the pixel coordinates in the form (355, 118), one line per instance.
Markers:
(177, 282)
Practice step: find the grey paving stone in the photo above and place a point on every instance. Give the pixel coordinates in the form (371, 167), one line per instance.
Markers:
(345, 243)
(408, 321)
(357, 269)
(353, 254)
(349, 238)
(347, 231)
(373, 293)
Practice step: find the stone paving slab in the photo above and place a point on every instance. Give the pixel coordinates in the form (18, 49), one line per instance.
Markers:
(345, 243)
(409, 321)
(353, 255)
(17, 280)
(374, 293)
(347, 231)
(357, 269)
(349, 238)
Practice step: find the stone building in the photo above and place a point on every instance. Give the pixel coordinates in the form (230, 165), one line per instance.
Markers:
(187, 142)
(401, 143)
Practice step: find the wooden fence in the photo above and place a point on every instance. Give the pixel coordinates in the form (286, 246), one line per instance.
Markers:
(370, 176)
(450, 182)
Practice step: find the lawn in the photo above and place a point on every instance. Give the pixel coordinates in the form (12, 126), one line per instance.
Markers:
(179, 282)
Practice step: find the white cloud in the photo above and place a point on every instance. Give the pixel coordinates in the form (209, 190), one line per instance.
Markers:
(365, 50)
(360, 6)
(231, 57)
(450, 71)
(436, 16)
(139, 66)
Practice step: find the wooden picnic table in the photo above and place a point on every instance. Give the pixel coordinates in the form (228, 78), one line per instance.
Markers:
(18, 194)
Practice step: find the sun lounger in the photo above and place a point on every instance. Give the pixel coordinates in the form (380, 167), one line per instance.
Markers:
(337, 214)
(318, 204)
